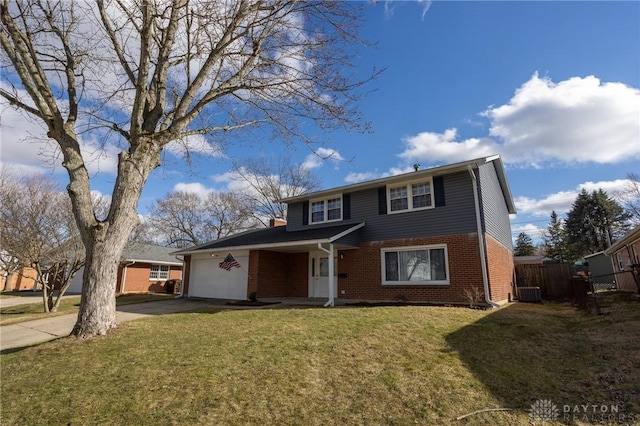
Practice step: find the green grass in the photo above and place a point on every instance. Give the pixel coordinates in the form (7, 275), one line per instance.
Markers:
(33, 311)
(373, 366)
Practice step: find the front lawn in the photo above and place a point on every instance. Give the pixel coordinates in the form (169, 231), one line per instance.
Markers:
(361, 366)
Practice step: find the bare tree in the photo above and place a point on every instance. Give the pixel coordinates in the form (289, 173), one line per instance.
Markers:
(629, 197)
(183, 219)
(267, 181)
(38, 230)
(141, 74)
(227, 213)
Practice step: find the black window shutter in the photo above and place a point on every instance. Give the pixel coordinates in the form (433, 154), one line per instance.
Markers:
(346, 206)
(305, 213)
(382, 200)
(438, 191)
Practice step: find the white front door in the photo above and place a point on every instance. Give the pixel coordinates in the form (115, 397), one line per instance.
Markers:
(319, 275)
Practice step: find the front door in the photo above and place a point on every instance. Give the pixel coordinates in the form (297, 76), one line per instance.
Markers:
(319, 275)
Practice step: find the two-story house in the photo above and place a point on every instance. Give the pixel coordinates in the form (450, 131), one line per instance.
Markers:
(433, 235)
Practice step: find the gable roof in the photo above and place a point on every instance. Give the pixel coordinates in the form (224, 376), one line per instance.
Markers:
(628, 238)
(277, 237)
(149, 253)
(432, 171)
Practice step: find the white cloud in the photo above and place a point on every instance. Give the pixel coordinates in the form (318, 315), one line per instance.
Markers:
(317, 158)
(26, 147)
(355, 177)
(433, 147)
(24, 142)
(193, 144)
(561, 201)
(194, 187)
(579, 120)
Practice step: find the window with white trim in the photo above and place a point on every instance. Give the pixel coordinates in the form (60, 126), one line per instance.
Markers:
(620, 263)
(159, 272)
(421, 265)
(325, 210)
(410, 196)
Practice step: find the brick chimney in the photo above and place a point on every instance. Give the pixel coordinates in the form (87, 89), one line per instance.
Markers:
(277, 222)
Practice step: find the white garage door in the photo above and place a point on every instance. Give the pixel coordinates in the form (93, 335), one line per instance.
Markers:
(208, 279)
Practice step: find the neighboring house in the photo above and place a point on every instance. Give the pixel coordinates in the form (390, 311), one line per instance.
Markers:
(430, 236)
(601, 270)
(143, 268)
(531, 260)
(625, 256)
(24, 279)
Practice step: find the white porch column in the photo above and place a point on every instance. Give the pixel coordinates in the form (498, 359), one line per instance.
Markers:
(332, 278)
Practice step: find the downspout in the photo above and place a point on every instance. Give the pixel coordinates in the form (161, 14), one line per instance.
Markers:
(124, 276)
(181, 277)
(481, 243)
(330, 302)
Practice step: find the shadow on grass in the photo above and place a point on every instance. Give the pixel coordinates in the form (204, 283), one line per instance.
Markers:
(524, 353)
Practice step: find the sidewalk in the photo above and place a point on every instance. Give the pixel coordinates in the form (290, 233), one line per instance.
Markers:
(32, 332)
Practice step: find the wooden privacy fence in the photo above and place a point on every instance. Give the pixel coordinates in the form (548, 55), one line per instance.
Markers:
(554, 279)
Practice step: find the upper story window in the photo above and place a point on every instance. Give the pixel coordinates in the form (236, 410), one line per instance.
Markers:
(410, 196)
(159, 272)
(326, 210)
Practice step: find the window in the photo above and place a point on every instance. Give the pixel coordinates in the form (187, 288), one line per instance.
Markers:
(410, 196)
(159, 272)
(415, 266)
(326, 210)
(620, 263)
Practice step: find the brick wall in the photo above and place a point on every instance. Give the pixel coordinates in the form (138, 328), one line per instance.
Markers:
(186, 275)
(137, 279)
(21, 280)
(500, 269)
(276, 274)
(360, 271)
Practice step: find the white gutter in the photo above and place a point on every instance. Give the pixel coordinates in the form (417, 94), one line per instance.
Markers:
(124, 275)
(330, 302)
(481, 243)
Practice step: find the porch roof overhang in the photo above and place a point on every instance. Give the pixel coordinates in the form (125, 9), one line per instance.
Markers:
(279, 239)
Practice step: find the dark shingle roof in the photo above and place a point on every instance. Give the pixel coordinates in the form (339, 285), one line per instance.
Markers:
(277, 235)
(142, 252)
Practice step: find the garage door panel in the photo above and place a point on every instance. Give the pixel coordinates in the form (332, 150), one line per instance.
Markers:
(211, 281)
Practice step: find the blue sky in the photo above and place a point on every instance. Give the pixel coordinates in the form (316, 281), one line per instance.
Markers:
(553, 87)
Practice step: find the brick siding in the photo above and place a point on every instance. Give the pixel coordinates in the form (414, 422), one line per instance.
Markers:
(276, 274)
(360, 271)
(137, 279)
(500, 269)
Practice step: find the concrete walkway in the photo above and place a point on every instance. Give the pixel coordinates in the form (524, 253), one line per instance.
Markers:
(33, 332)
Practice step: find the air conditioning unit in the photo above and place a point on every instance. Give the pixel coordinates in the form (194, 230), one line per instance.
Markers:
(529, 294)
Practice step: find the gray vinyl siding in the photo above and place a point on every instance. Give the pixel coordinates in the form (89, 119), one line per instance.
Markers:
(455, 217)
(294, 217)
(494, 209)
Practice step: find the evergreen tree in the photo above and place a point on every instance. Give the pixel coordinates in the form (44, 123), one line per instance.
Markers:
(524, 245)
(554, 239)
(594, 222)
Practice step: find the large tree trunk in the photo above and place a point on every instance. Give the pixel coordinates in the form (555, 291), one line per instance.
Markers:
(105, 240)
(97, 314)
